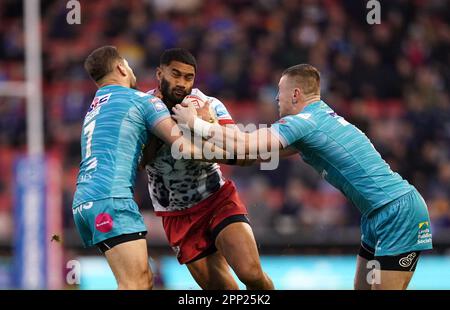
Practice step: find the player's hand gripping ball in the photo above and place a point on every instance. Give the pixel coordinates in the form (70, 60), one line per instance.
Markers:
(202, 104)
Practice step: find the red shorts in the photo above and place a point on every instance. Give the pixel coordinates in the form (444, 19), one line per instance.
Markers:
(192, 235)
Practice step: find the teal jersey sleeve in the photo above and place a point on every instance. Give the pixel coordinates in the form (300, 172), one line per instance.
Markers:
(342, 155)
(115, 131)
(293, 128)
(154, 111)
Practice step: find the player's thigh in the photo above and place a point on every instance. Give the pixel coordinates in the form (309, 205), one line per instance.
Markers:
(212, 272)
(393, 280)
(361, 275)
(365, 272)
(237, 244)
(129, 263)
(396, 270)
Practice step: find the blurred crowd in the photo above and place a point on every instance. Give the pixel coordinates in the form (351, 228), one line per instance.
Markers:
(391, 80)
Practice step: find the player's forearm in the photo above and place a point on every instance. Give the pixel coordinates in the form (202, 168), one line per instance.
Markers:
(230, 139)
(259, 143)
(211, 152)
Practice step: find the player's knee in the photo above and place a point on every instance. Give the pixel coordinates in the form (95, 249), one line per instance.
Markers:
(141, 281)
(250, 274)
(221, 284)
(220, 281)
(147, 280)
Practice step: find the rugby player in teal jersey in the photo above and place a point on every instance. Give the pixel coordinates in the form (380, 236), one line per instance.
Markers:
(114, 133)
(395, 225)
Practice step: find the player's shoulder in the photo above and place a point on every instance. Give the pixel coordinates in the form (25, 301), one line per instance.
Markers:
(144, 98)
(303, 117)
(129, 95)
(137, 94)
(148, 101)
(300, 123)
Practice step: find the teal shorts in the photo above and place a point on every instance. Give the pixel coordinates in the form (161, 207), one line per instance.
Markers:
(401, 226)
(102, 219)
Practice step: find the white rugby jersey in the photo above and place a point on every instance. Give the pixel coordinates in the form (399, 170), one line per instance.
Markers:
(176, 185)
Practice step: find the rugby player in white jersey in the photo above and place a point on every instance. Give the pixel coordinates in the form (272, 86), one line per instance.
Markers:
(204, 219)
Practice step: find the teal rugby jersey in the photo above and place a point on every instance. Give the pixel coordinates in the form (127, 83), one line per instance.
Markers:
(114, 132)
(343, 155)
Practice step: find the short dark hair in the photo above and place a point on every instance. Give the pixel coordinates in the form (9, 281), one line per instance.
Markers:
(306, 75)
(101, 62)
(177, 54)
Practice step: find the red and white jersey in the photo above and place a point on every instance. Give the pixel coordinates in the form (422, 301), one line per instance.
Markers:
(177, 185)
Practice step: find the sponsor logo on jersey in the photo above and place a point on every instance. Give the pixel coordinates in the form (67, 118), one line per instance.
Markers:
(95, 106)
(340, 119)
(424, 235)
(104, 222)
(157, 104)
(332, 113)
(99, 101)
(423, 224)
(84, 206)
(407, 260)
(221, 111)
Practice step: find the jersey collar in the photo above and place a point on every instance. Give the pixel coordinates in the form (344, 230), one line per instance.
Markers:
(313, 105)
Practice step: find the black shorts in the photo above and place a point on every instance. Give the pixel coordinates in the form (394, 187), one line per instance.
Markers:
(402, 262)
(108, 244)
(229, 220)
